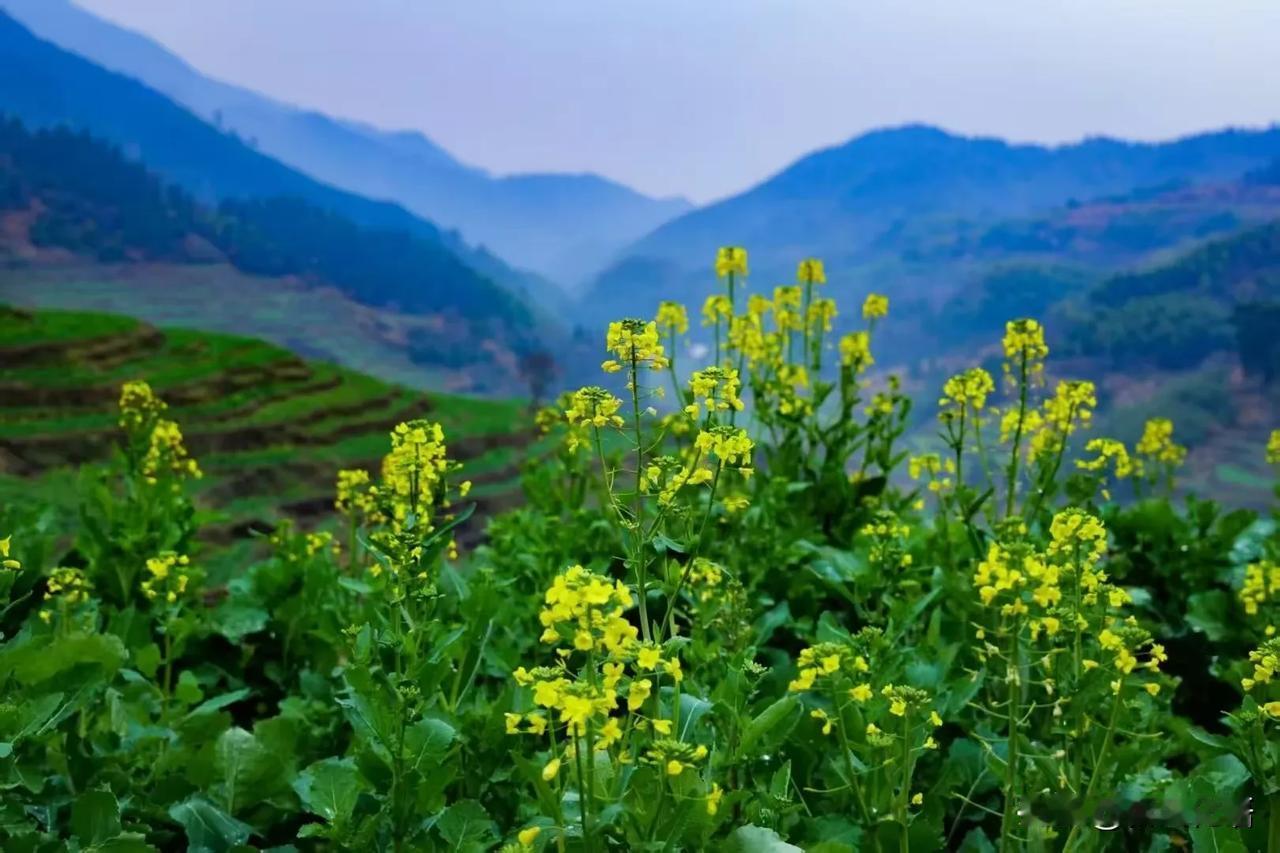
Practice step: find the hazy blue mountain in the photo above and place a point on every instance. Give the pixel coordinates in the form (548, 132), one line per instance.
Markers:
(852, 204)
(44, 85)
(563, 226)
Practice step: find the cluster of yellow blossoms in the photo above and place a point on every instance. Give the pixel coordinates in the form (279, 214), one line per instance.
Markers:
(634, 344)
(1070, 408)
(593, 406)
(939, 471)
(413, 472)
(1261, 587)
(167, 577)
(965, 394)
(731, 260)
(590, 608)
(828, 659)
(1273, 448)
(1024, 346)
(139, 406)
(357, 496)
(1157, 444)
(875, 306)
(66, 587)
(855, 351)
(165, 453)
(888, 538)
(673, 318)
(1266, 664)
(716, 389)
(583, 613)
(841, 674)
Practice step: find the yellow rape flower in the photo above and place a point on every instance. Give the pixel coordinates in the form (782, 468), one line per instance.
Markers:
(714, 797)
(810, 271)
(673, 317)
(731, 260)
(875, 306)
(634, 344)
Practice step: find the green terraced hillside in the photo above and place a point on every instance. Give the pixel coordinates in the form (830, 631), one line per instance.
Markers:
(269, 429)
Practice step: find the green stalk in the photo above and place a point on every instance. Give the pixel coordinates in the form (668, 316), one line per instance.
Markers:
(1102, 756)
(1273, 823)
(642, 579)
(848, 758)
(904, 796)
(1017, 435)
(1011, 769)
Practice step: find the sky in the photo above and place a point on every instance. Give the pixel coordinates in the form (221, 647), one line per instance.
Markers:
(703, 98)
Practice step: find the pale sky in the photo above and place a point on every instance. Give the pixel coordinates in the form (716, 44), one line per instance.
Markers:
(705, 97)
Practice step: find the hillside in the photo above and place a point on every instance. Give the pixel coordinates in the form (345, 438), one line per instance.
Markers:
(917, 211)
(69, 200)
(45, 86)
(269, 429)
(1221, 298)
(560, 225)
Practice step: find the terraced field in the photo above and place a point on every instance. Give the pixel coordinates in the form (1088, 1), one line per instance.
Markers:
(270, 429)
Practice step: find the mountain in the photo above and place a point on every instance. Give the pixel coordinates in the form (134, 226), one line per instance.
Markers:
(1221, 298)
(561, 226)
(869, 206)
(69, 199)
(46, 86)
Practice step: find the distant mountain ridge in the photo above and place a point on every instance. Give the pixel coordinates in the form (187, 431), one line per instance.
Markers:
(841, 203)
(564, 226)
(45, 86)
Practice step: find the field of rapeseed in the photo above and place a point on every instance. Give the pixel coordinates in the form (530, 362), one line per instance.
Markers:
(735, 613)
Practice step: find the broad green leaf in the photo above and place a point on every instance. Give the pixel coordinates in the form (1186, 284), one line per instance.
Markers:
(95, 817)
(1216, 840)
(209, 829)
(466, 827)
(250, 772)
(188, 691)
(1210, 611)
(236, 619)
(757, 839)
(330, 788)
(32, 663)
(426, 743)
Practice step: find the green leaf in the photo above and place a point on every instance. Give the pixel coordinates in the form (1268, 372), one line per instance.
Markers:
(32, 663)
(330, 788)
(250, 772)
(1212, 840)
(426, 742)
(236, 620)
(466, 827)
(1209, 611)
(1217, 742)
(147, 659)
(757, 839)
(127, 843)
(692, 709)
(188, 690)
(95, 817)
(217, 703)
(663, 543)
(209, 829)
(772, 724)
